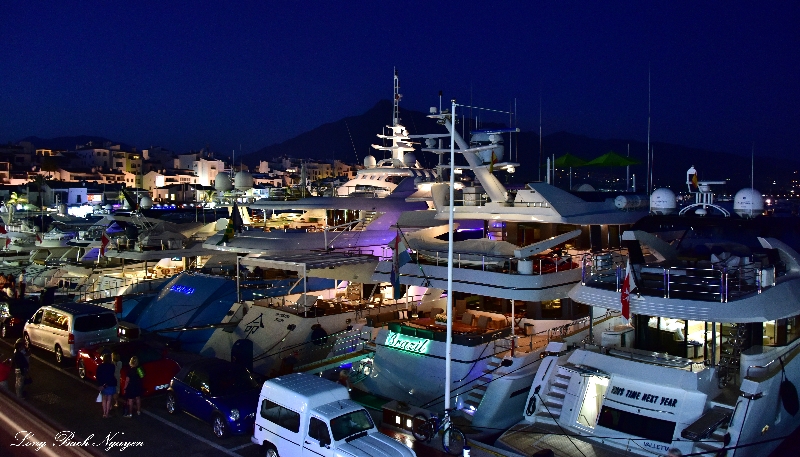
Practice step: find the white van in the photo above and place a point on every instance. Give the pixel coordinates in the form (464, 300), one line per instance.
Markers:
(305, 415)
(65, 328)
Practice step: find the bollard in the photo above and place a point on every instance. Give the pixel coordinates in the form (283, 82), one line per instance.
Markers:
(465, 451)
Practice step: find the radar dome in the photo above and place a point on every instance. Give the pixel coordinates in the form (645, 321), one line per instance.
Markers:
(663, 202)
(243, 181)
(222, 183)
(629, 202)
(369, 162)
(108, 207)
(146, 202)
(410, 160)
(748, 203)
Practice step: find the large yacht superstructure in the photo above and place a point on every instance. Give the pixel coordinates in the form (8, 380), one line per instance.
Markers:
(510, 290)
(708, 365)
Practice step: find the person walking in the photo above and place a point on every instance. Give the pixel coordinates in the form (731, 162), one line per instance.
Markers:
(21, 366)
(133, 386)
(115, 359)
(108, 383)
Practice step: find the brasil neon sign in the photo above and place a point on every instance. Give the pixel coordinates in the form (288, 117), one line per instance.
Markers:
(407, 343)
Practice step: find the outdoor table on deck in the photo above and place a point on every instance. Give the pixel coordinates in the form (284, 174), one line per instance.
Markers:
(458, 327)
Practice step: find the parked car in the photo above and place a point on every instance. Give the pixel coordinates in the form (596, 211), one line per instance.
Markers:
(216, 391)
(67, 327)
(158, 368)
(302, 414)
(13, 314)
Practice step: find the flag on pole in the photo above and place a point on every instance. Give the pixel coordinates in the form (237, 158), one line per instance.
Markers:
(625, 298)
(228, 235)
(400, 257)
(103, 243)
(39, 238)
(493, 161)
(694, 181)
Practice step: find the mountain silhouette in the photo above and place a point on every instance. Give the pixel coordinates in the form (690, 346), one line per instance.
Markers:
(349, 140)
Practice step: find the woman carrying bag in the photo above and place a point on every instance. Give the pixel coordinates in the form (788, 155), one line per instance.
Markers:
(108, 383)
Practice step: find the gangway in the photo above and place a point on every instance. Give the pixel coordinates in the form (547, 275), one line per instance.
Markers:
(335, 361)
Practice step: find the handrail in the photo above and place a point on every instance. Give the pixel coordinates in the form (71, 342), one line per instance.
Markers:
(790, 352)
(559, 264)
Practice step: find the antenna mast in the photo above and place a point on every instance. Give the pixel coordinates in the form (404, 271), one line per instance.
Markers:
(540, 139)
(649, 171)
(397, 96)
(752, 166)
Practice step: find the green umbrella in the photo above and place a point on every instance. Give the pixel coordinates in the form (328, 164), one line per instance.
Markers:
(568, 161)
(612, 159)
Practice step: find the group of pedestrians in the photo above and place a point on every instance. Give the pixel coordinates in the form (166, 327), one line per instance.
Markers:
(109, 377)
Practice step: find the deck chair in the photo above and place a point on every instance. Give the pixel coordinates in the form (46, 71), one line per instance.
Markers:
(483, 321)
(467, 318)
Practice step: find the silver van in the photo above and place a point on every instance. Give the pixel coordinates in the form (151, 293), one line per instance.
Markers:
(65, 328)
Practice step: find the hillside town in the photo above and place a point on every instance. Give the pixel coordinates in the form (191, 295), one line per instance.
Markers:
(95, 173)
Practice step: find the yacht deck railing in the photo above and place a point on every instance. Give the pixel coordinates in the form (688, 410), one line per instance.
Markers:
(718, 282)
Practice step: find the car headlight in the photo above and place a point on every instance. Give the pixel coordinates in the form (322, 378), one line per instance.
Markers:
(234, 414)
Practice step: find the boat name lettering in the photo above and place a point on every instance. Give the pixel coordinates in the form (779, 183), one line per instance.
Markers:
(660, 447)
(254, 325)
(645, 397)
(407, 343)
(182, 289)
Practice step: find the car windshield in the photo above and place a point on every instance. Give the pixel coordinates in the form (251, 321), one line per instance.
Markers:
(350, 424)
(95, 322)
(230, 380)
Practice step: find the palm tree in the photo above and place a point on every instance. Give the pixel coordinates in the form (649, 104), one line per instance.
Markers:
(11, 204)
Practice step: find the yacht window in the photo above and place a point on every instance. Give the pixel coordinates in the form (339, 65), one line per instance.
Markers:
(635, 424)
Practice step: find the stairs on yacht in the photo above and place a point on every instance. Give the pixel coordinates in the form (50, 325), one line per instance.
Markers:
(476, 394)
(710, 431)
(369, 216)
(730, 353)
(553, 398)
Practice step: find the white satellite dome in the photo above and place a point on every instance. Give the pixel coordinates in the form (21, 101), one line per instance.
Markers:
(146, 202)
(369, 161)
(584, 188)
(222, 183)
(409, 160)
(630, 202)
(486, 155)
(243, 181)
(748, 203)
(108, 207)
(663, 202)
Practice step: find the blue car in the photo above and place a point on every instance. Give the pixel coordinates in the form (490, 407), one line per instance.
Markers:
(216, 391)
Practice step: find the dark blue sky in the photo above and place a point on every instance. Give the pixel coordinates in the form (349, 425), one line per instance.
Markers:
(186, 74)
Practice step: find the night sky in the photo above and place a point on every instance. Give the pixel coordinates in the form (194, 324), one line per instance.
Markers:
(186, 74)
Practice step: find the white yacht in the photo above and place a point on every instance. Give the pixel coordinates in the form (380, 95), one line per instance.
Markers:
(510, 291)
(360, 218)
(708, 365)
